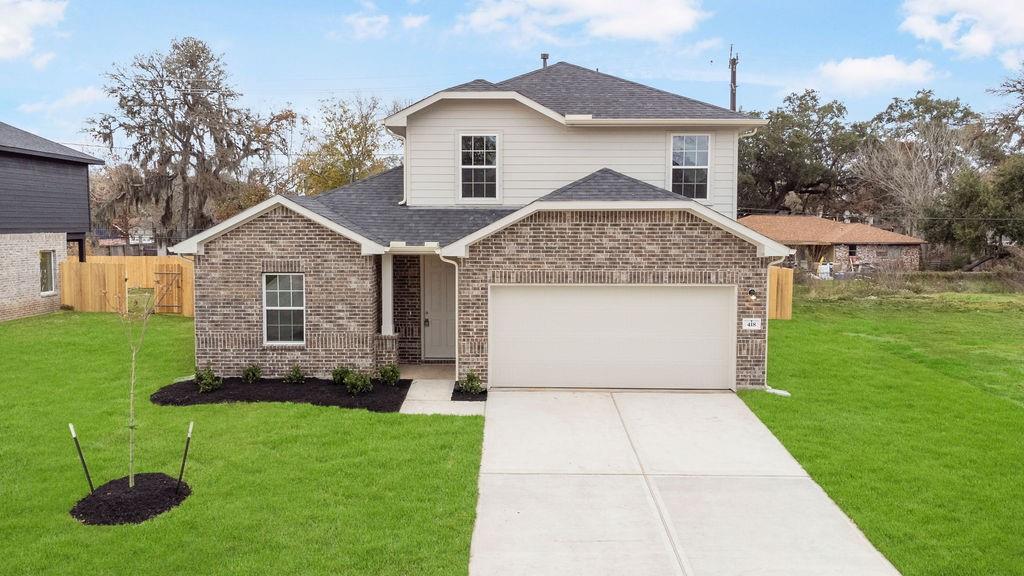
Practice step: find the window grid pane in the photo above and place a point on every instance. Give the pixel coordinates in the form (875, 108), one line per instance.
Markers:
(46, 271)
(284, 313)
(479, 161)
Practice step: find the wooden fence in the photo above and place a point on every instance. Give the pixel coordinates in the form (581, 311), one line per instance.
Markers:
(780, 293)
(101, 283)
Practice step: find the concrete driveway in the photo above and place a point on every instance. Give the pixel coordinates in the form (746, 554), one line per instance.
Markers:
(651, 483)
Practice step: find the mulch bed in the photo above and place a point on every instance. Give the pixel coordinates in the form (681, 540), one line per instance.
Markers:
(460, 396)
(114, 503)
(315, 391)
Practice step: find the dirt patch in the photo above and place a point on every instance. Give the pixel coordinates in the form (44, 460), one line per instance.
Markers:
(460, 396)
(314, 391)
(114, 503)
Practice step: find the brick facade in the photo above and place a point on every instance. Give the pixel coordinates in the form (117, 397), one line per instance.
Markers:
(19, 274)
(646, 247)
(407, 295)
(342, 298)
(896, 256)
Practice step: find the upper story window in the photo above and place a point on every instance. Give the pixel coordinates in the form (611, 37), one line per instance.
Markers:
(47, 272)
(284, 309)
(690, 163)
(479, 165)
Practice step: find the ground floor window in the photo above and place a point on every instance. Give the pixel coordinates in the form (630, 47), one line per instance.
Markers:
(284, 308)
(47, 272)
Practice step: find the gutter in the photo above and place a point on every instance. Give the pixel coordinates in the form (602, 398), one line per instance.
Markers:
(456, 265)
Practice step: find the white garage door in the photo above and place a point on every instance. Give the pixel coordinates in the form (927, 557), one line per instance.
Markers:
(612, 336)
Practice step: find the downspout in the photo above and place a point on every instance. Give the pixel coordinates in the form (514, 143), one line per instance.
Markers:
(767, 387)
(405, 165)
(456, 265)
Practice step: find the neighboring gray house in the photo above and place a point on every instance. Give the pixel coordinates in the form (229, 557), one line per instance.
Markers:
(561, 228)
(44, 204)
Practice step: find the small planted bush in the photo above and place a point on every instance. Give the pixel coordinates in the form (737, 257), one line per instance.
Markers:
(357, 382)
(471, 384)
(295, 376)
(207, 381)
(338, 374)
(389, 374)
(252, 373)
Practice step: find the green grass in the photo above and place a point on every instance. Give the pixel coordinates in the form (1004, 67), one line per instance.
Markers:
(910, 413)
(278, 488)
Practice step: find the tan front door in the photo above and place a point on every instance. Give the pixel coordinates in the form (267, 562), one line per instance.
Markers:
(438, 308)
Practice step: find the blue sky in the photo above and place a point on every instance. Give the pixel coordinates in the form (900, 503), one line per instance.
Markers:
(53, 53)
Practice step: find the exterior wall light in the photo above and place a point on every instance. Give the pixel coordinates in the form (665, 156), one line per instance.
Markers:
(752, 293)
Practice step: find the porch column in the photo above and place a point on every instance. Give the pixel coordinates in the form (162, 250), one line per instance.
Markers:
(387, 291)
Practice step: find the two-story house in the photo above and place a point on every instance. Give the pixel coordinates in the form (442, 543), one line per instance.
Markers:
(44, 205)
(562, 228)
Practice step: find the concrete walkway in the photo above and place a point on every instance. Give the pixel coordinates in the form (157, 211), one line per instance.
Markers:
(651, 483)
(435, 397)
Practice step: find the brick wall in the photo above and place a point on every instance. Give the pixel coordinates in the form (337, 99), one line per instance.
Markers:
(341, 292)
(613, 248)
(904, 257)
(407, 307)
(19, 273)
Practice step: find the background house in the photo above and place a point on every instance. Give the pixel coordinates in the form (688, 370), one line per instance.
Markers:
(44, 205)
(846, 244)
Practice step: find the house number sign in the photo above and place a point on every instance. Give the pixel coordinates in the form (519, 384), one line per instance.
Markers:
(751, 323)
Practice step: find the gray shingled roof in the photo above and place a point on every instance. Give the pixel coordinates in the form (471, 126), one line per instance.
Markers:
(18, 141)
(571, 89)
(370, 207)
(608, 185)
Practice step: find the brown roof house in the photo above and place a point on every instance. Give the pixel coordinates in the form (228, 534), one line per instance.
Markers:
(847, 245)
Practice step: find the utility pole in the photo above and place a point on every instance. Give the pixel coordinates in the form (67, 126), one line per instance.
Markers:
(734, 59)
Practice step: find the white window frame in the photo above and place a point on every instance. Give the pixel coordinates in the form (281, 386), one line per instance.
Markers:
(263, 309)
(53, 273)
(459, 166)
(671, 169)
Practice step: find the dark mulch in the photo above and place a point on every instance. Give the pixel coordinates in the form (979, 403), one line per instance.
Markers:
(460, 396)
(114, 503)
(315, 391)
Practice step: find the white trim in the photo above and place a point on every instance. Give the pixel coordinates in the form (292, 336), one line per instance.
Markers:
(263, 311)
(53, 273)
(195, 244)
(766, 247)
(399, 120)
(387, 294)
(459, 199)
(671, 168)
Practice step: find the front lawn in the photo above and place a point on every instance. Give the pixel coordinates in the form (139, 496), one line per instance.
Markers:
(277, 488)
(910, 414)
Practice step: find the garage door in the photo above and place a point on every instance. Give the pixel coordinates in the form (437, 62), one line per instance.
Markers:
(612, 336)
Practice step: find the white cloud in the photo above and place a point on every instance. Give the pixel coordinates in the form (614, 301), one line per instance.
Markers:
(1013, 59)
(19, 20)
(657, 20)
(365, 25)
(73, 99)
(861, 76)
(39, 61)
(971, 28)
(411, 21)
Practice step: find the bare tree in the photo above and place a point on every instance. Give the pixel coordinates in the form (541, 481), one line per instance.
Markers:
(911, 174)
(186, 134)
(1009, 123)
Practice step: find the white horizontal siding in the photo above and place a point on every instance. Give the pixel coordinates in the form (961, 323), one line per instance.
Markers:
(538, 155)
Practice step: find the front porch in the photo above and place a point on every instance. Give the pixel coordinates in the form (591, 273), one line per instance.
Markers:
(418, 307)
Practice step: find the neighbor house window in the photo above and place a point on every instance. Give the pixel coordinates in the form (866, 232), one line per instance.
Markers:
(853, 249)
(479, 165)
(690, 165)
(47, 273)
(284, 308)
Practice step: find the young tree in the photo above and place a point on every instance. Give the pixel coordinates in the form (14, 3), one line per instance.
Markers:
(186, 133)
(802, 155)
(352, 144)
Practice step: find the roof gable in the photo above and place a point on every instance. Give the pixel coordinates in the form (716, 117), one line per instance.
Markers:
(611, 186)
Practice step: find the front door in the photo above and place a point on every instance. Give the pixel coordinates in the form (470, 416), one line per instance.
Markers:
(438, 308)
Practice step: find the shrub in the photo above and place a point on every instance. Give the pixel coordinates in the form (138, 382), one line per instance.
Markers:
(252, 373)
(207, 381)
(471, 384)
(358, 382)
(338, 374)
(295, 376)
(389, 374)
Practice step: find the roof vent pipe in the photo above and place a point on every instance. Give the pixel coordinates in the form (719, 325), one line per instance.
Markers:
(543, 59)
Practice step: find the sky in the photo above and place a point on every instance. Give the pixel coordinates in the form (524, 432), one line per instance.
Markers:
(54, 53)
